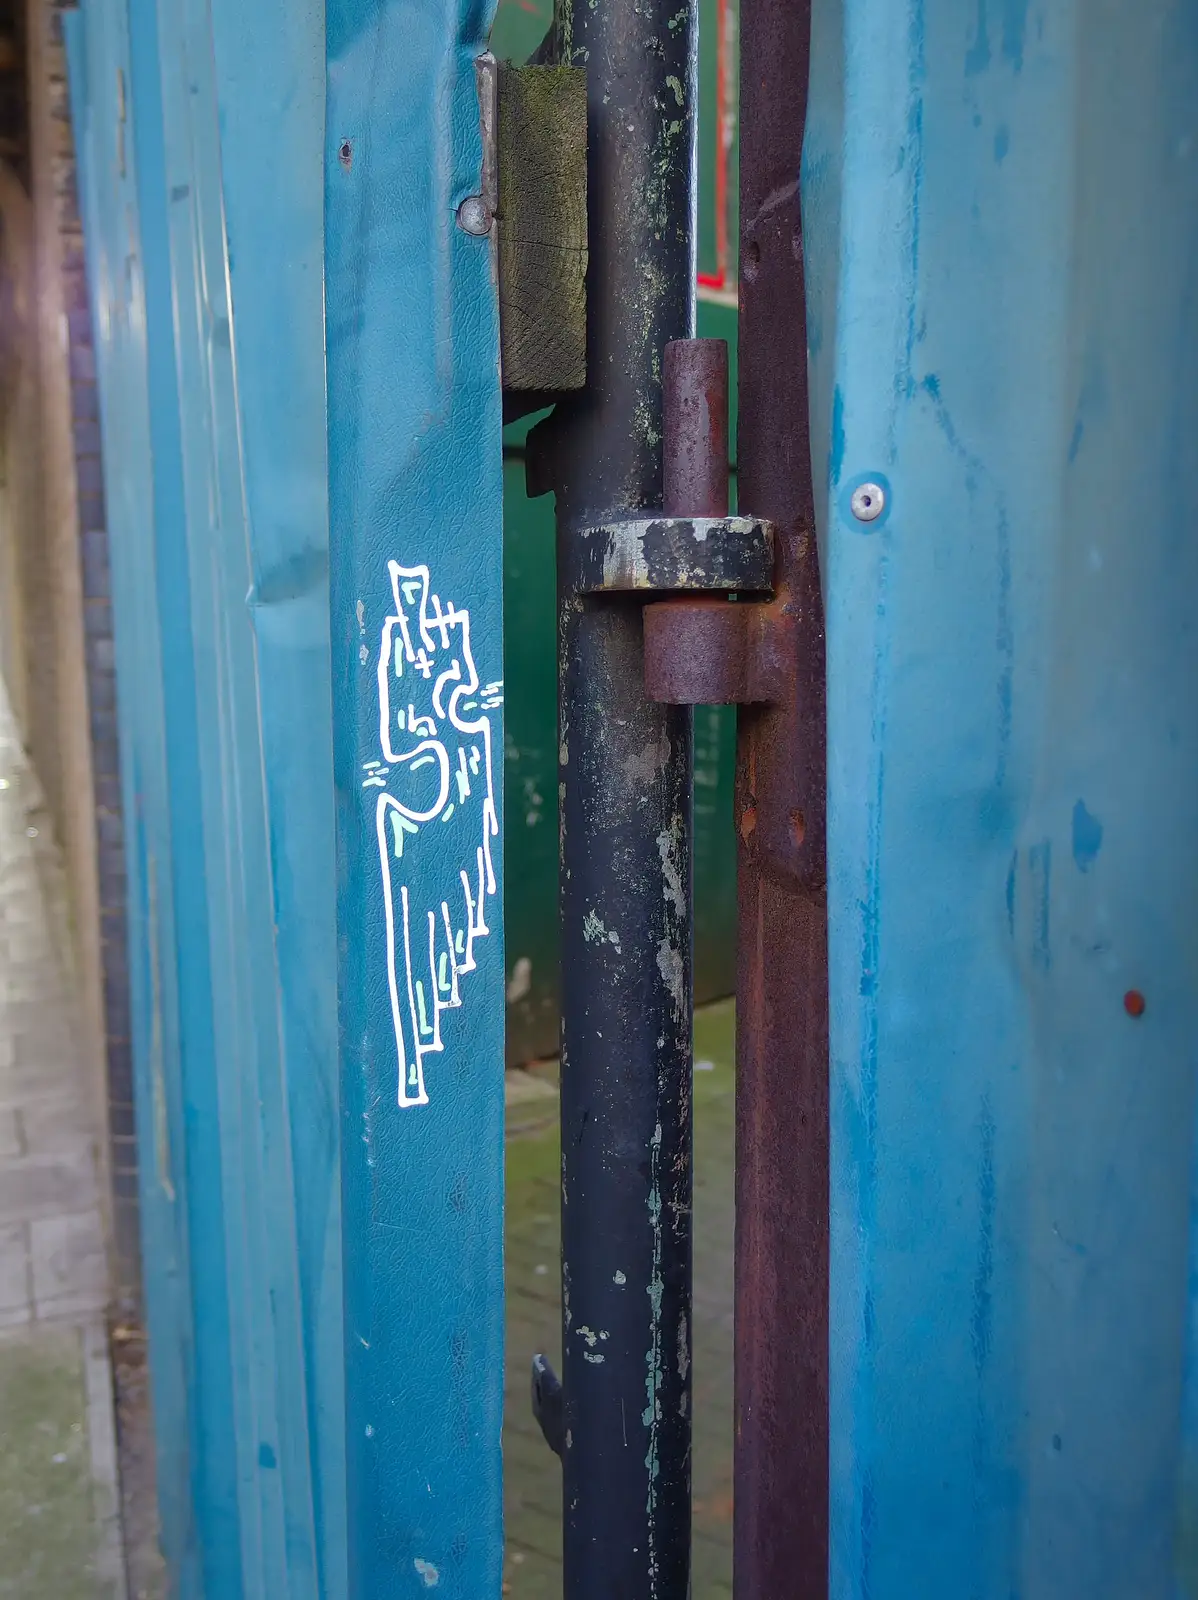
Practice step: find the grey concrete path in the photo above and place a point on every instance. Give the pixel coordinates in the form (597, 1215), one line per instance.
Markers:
(59, 1526)
(532, 1477)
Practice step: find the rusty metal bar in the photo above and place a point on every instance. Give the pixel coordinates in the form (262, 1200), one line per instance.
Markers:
(781, 1460)
(695, 382)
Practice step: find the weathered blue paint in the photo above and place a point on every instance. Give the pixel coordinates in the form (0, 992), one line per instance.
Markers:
(1002, 235)
(214, 461)
(415, 479)
(269, 61)
(98, 45)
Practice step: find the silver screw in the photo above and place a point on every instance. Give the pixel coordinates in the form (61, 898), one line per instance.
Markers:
(473, 216)
(868, 502)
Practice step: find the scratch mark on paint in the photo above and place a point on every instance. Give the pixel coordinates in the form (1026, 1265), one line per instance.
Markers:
(1087, 837)
(1011, 893)
(1040, 871)
(981, 1324)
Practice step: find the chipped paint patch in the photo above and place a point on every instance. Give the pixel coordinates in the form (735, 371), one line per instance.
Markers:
(673, 971)
(594, 932)
(427, 1573)
(670, 849)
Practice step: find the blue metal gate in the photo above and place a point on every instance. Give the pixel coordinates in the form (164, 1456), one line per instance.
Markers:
(1001, 229)
(201, 139)
(1002, 215)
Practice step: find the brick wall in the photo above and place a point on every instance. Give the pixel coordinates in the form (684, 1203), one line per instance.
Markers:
(86, 769)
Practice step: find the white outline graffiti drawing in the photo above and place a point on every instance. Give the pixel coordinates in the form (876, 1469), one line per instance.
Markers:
(435, 742)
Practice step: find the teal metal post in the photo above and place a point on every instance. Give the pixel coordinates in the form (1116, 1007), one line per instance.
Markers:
(415, 479)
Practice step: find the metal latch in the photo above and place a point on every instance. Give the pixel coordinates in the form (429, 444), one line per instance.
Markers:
(711, 648)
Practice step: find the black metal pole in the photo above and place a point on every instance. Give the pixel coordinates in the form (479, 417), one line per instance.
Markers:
(625, 794)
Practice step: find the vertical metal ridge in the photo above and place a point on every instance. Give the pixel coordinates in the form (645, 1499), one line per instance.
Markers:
(781, 1380)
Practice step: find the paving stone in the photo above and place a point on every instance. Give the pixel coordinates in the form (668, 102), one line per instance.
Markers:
(47, 1501)
(58, 1125)
(10, 1134)
(58, 1537)
(45, 1187)
(70, 1271)
(14, 1269)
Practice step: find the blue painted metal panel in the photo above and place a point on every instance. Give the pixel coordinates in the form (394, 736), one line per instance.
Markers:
(415, 483)
(1002, 208)
(269, 60)
(99, 65)
(222, 637)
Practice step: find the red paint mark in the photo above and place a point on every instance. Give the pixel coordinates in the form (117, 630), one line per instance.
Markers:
(721, 153)
(719, 278)
(1134, 1003)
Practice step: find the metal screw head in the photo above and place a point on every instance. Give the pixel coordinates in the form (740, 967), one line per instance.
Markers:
(868, 502)
(473, 216)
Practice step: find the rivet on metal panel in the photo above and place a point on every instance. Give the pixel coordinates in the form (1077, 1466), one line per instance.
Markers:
(868, 502)
(473, 216)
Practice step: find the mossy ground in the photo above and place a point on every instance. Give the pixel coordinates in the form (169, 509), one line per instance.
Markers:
(532, 1569)
(48, 1526)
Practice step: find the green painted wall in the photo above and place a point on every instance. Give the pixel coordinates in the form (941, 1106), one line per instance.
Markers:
(530, 630)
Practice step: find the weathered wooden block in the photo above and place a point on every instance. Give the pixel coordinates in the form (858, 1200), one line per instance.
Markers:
(542, 226)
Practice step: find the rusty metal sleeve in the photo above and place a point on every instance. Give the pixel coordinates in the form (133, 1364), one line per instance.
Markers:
(695, 383)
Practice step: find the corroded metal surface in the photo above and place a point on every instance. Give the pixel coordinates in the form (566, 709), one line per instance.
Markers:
(703, 649)
(708, 650)
(695, 380)
(781, 1498)
(663, 553)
